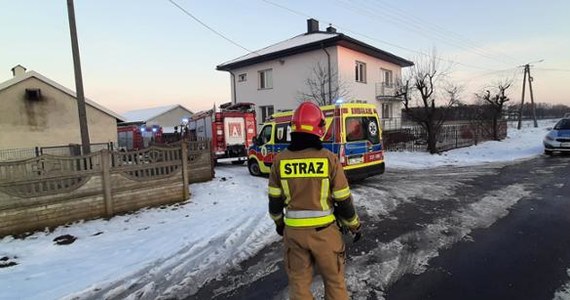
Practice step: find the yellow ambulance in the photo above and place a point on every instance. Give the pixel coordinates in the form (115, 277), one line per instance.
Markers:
(352, 132)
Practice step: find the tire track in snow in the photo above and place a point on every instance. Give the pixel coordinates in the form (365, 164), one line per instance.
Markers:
(184, 272)
(380, 196)
(443, 183)
(371, 273)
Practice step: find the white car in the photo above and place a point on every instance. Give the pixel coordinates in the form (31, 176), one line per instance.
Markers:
(558, 138)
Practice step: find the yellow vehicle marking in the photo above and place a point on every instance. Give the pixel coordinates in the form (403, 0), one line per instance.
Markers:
(357, 166)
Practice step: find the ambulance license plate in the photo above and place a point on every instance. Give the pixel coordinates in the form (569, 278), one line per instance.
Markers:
(355, 160)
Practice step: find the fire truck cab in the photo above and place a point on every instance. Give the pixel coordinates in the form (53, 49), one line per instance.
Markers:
(137, 136)
(231, 129)
(352, 132)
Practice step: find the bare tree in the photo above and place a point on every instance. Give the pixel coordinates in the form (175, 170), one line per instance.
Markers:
(497, 103)
(478, 116)
(318, 86)
(420, 91)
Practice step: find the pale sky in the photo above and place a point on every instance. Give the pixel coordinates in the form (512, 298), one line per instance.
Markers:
(147, 53)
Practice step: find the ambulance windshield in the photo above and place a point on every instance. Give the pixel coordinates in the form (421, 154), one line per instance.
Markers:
(362, 128)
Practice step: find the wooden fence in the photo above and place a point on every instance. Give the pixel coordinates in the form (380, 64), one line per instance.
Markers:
(49, 191)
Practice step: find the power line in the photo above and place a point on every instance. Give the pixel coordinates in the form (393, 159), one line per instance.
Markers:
(374, 14)
(208, 27)
(551, 69)
(286, 8)
(510, 70)
(442, 31)
(345, 29)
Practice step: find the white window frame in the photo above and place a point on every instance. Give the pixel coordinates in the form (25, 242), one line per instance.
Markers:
(265, 79)
(387, 78)
(265, 111)
(360, 71)
(387, 111)
(242, 77)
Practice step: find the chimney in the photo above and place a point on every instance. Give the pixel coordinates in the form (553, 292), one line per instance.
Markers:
(312, 26)
(18, 70)
(331, 29)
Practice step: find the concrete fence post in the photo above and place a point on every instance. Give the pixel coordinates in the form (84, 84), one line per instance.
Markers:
(106, 175)
(185, 176)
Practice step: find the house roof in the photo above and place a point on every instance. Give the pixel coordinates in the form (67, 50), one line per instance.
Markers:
(29, 74)
(309, 42)
(147, 114)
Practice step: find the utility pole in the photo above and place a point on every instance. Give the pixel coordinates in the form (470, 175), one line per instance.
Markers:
(531, 97)
(530, 79)
(522, 99)
(85, 143)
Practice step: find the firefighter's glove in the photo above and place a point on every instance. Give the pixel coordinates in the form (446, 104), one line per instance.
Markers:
(356, 233)
(279, 227)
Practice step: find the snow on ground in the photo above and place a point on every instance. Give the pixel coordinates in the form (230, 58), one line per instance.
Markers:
(518, 145)
(172, 250)
(225, 222)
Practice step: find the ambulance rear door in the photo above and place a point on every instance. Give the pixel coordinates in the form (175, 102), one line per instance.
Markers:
(362, 136)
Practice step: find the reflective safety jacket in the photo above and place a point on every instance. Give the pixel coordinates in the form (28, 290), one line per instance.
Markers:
(307, 188)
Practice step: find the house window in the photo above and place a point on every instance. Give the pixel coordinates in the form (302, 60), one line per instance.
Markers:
(265, 79)
(360, 72)
(242, 77)
(387, 77)
(33, 94)
(386, 111)
(266, 112)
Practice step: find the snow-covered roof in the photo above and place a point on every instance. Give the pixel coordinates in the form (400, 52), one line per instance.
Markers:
(29, 74)
(146, 114)
(308, 42)
(299, 40)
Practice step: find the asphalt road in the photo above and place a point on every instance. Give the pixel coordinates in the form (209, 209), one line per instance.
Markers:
(525, 255)
(486, 232)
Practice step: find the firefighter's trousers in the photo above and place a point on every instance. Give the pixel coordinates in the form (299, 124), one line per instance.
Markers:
(323, 247)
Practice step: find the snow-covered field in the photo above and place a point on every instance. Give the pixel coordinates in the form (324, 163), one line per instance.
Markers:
(172, 250)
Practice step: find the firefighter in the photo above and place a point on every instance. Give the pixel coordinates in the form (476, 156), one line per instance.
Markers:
(308, 192)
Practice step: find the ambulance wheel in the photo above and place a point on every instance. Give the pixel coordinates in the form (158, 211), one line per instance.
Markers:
(253, 167)
(238, 162)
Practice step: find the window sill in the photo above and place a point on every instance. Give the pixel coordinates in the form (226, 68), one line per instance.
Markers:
(260, 89)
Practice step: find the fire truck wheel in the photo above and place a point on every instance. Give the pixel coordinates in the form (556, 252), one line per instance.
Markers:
(253, 167)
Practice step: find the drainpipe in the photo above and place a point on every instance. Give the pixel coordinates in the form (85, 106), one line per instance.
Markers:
(329, 69)
(234, 100)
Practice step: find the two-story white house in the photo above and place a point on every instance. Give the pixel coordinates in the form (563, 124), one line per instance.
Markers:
(280, 76)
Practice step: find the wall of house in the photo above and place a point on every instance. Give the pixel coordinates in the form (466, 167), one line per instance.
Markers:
(290, 75)
(51, 121)
(171, 118)
(367, 91)
(289, 80)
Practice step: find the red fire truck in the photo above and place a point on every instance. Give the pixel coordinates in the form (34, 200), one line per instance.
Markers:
(136, 136)
(231, 129)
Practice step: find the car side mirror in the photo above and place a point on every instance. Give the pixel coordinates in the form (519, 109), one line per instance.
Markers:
(254, 140)
(549, 128)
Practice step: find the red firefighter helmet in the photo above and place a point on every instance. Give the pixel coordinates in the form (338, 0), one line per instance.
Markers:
(308, 118)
